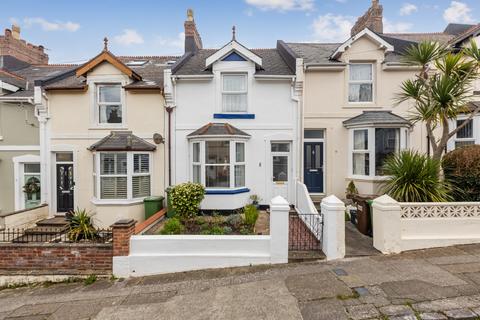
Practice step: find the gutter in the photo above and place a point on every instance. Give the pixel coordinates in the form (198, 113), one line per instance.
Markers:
(325, 66)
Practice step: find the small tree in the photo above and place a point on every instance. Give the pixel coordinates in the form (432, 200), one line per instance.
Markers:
(442, 90)
(186, 199)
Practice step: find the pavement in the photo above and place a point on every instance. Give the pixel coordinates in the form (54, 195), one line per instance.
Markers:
(428, 284)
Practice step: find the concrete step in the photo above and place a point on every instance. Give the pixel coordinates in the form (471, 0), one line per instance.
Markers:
(55, 221)
(301, 256)
(47, 230)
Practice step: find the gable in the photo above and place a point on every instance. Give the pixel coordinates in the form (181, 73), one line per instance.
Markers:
(106, 56)
(230, 48)
(365, 35)
(234, 57)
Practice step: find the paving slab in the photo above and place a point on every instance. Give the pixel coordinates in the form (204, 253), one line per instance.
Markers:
(448, 304)
(432, 316)
(405, 317)
(463, 267)
(416, 290)
(316, 286)
(461, 314)
(35, 309)
(396, 310)
(361, 312)
(84, 309)
(146, 298)
(330, 309)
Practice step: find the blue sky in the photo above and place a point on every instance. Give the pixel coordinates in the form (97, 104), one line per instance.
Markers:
(72, 31)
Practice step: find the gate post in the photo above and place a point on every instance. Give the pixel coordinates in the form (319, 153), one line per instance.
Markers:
(279, 210)
(333, 242)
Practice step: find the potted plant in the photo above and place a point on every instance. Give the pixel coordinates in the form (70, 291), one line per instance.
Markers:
(351, 190)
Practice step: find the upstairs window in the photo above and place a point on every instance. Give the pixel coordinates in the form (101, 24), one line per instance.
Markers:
(109, 103)
(360, 86)
(464, 136)
(234, 93)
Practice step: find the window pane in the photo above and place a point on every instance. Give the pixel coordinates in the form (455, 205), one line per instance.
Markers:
(361, 72)
(459, 144)
(234, 102)
(360, 140)
(141, 163)
(240, 152)
(217, 176)
(360, 92)
(141, 186)
(313, 134)
(217, 152)
(109, 93)
(113, 187)
(196, 173)
(361, 164)
(31, 168)
(280, 147)
(196, 152)
(113, 163)
(64, 156)
(110, 114)
(234, 83)
(465, 132)
(280, 168)
(387, 142)
(239, 176)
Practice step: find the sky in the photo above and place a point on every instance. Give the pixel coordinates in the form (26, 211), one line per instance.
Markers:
(73, 31)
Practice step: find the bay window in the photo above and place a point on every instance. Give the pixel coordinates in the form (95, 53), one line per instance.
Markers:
(360, 85)
(465, 136)
(372, 146)
(122, 175)
(234, 92)
(218, 164)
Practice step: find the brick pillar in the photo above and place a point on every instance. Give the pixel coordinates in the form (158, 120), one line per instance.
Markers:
(122, 230)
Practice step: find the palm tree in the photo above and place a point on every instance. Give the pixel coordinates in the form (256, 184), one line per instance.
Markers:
(442, 90)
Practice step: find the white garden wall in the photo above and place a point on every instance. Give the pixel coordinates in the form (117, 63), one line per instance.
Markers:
(400, 226)
(157, 254)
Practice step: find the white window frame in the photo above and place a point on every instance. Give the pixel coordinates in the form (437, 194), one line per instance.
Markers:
(97, 104)
(362, 151)
(224, 93)
(130, 174)
(474, 133)
(403, 143)
(372, 82)
(18, 172)
(231, 164)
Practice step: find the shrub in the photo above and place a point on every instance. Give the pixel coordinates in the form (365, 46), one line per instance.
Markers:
(251, 215)
(214, 230)
(462, 169)
(351, 189)
(173, 226)
(234, 220)
(81, 226)
(413, 177)
(186, 199)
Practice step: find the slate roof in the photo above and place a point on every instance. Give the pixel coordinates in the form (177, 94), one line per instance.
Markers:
(419, 37)
(376, 118)
(122, 141)
(315, 53)
(194, 64)
(457, 28)
(218, 129)
(12, 78)
(473, 31)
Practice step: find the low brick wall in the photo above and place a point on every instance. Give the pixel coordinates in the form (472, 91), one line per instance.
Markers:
(55, 258)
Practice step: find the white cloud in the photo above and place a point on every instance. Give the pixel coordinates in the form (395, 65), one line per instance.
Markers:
(458, 12)
(282, 5)
(177, 42)
(332, 28)
(129, 37)
(51, 26)
(408, 9)
(396, 27)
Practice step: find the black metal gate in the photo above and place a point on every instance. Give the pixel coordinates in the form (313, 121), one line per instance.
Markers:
(305, 232)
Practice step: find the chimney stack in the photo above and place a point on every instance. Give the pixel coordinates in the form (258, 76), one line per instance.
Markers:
(12, 45)
(372, 19)
(193, 41)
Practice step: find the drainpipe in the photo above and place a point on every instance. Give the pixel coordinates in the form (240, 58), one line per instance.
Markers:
(169, 144)
(41, 112)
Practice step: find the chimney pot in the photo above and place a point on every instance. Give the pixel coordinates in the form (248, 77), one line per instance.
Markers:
(16, 31)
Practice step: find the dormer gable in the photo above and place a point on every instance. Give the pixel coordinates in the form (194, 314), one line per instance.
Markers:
(365, 33)
(235, 50)
(106, 56)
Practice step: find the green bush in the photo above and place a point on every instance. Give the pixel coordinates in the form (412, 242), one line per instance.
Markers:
(186, 199)
(172, 226)
(214, 230)
(414, 177)
(81, 226)
(234, 220)
(251, 215)
(462, 169)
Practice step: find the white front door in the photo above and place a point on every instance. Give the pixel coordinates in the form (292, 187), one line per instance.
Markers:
(281, 163)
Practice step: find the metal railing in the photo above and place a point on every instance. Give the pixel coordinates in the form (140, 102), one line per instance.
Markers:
(305, 232)
(51, 235)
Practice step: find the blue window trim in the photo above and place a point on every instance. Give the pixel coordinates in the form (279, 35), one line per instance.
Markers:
(234, 116)
(227, 191)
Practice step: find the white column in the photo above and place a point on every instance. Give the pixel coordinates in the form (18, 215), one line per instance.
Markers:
(279, 209)
(333, 242)
(386, 225)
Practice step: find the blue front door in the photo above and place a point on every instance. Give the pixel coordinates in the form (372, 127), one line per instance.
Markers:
(313, 166)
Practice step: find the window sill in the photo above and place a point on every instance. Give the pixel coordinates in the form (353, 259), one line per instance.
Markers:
(113, 202)
(234, 116)
(122, 127)
(362, 105)
(226, 191)
(367, 178)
